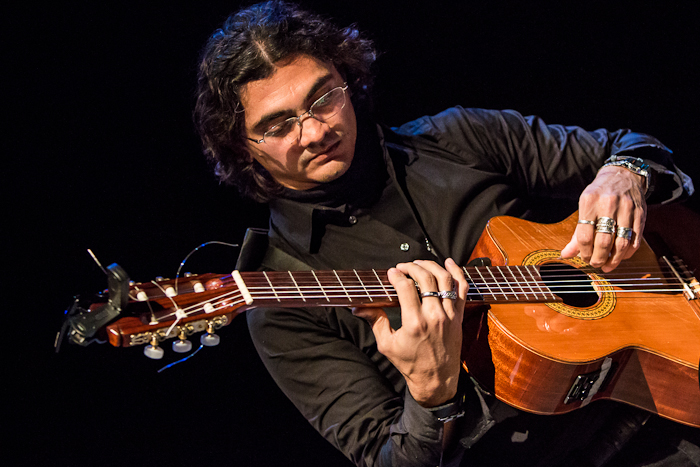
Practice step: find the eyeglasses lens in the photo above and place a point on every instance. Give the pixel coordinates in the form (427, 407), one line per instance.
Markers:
(327, 106)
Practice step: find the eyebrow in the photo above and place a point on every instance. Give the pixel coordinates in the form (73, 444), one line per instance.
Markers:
(264, 122)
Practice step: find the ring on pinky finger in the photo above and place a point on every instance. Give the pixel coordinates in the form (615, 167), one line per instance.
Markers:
(625, 232)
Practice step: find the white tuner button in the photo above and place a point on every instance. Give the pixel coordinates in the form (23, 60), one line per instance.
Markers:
(182, 346)
(154, 352)
(210, 340)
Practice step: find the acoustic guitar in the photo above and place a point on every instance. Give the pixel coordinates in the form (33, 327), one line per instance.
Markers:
(545, 335)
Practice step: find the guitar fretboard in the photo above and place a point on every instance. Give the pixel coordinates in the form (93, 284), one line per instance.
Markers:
(355, 288)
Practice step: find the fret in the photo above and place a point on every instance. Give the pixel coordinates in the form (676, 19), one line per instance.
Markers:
(538, 280)
(507, 282)
(320, 286)
(363, 285)
(544, 289)
(496, 282)
(342, 285)
(529, 284)
(386, 292)
(534, 273)
(296, 285)
(513, 283)
(485, 283)
(471, 283)
(272, 287)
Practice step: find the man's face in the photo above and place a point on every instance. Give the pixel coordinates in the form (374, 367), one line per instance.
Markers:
(325, 150)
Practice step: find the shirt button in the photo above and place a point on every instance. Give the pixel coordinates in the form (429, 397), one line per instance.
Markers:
(352, 220)
(404, 246)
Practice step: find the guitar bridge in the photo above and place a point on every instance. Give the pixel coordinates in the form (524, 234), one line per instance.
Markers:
(691, 287)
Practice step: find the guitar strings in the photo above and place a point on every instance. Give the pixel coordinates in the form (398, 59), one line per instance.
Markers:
(620, 272)
(528, 284)
(219, 303)
(534, 286)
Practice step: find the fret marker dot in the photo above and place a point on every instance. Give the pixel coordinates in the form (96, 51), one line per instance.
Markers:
(404, 247)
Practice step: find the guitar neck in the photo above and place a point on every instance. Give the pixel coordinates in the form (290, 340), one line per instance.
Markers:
(198, 301)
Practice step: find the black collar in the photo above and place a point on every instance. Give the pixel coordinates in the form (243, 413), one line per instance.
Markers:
(298, 215)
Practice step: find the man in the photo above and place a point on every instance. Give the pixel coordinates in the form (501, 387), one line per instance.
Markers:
(284, 112)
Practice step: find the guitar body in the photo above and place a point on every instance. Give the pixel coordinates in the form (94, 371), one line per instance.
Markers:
(640, 348)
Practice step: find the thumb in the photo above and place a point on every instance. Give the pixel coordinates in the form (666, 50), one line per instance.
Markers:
(377, 319)
(571, 249)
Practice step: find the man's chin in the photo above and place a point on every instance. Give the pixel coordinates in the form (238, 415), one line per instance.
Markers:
(332, 171)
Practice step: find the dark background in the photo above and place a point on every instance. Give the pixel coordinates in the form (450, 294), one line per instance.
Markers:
(100, 153)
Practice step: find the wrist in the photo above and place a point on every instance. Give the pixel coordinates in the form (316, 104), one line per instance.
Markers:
(634, 165)
(450, 410)
(434, 395)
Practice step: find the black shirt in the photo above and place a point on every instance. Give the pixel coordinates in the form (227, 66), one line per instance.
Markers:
(421, 191)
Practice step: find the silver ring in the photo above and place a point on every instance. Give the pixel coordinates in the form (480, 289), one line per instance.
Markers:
(583, 221)
(605, 225)
(625, 232)
(448, 294)
(430, 294)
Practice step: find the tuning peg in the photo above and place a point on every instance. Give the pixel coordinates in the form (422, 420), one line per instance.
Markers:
(153, 350)
(210, 339)
(182, 345)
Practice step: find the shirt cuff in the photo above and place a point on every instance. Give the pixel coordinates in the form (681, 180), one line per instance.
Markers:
(418, 421)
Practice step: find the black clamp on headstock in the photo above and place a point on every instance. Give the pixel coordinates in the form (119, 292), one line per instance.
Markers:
(83, 321)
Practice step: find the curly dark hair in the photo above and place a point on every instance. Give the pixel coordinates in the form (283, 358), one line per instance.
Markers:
(246, 49)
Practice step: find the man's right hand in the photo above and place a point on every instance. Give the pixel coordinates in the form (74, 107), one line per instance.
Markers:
(426, 349)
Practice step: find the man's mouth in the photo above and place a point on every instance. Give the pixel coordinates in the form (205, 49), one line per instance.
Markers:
(331, 148)
(327, 152)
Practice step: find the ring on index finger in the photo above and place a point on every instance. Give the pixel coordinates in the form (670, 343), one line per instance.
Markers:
(430, 294)
(605, 225)
(583, 221)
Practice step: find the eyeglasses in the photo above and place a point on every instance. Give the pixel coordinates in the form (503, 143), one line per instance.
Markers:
(289, 131)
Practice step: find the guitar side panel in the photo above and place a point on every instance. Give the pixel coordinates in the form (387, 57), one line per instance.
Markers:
(654, 383)
(531, 382)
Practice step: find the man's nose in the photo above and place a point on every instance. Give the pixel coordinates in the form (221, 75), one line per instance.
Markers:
(312, 130)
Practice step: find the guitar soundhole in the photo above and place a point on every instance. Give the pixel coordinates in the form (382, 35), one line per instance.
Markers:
(573, 286)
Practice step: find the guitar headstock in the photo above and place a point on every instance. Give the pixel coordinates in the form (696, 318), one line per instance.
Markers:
(131, 313)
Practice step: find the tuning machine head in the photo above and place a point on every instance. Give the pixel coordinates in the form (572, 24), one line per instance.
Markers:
(210, 339)
(153, 350)
(182, 345)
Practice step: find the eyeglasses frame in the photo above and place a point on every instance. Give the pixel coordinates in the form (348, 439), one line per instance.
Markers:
(344, 88)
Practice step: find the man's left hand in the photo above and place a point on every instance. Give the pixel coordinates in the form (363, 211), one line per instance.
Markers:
(618, 194)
